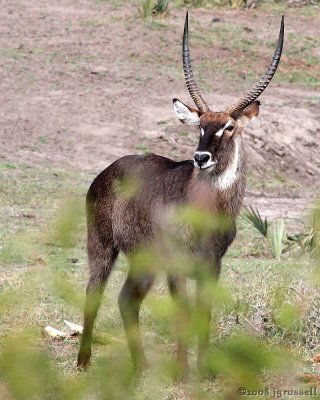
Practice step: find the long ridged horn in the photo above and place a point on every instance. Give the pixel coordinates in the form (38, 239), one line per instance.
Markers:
(188, 74)
(238, 107)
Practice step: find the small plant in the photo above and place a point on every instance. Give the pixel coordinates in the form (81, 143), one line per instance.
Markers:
(161, 7)
(253, 217)
(151, 7)
(145, 9)
(141, 147)
(306, 241)
(276, 238)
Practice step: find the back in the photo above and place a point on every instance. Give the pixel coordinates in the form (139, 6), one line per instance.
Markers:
(126, 200)
(149, 177)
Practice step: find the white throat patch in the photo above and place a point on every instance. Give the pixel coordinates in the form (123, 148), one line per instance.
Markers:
(229, 176)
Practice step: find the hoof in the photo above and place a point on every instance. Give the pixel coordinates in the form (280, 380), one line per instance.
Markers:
(182, 372)
(83, 362)
(207, 373)
(141, 366)
(182, 376)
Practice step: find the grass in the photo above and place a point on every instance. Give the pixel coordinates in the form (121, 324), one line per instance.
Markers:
(266, 311)
(275, 236)
(40, 286)
(234, 55)
(273, 181)
(244, 50)
(142, 147)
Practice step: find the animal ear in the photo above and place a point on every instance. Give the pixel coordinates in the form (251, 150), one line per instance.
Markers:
(249, 113)
(187, 115)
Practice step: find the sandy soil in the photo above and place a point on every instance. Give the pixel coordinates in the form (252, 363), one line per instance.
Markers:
(86, 82)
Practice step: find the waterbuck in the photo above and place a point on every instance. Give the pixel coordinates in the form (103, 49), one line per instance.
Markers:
(214, 181)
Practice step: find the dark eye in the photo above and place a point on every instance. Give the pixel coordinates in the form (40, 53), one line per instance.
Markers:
(229, 128)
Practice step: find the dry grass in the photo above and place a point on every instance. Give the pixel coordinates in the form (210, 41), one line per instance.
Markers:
(266, 311)
(263, 305)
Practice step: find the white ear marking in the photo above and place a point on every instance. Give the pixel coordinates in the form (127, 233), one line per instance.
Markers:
(201, 131)
(184, 114)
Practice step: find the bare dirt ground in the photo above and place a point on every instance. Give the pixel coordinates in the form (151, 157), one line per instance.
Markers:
(86, 82)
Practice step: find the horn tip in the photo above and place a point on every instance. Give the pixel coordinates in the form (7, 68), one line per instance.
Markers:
(282, 24)
(281, 33)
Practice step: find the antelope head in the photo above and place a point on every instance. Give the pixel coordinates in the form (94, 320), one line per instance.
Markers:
(219, 130)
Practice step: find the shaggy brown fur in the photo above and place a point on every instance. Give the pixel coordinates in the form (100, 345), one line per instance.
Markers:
(122, 219)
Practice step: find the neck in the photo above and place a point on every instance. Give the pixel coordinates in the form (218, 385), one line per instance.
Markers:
(221, 193)
(231, 183)
(227, 179)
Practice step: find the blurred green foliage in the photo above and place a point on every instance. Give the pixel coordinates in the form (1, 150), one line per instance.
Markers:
(42, 281)
(264, 317)
(68, 221)
(36, 367)
(26, 369)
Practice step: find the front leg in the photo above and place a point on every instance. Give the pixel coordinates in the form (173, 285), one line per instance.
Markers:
(178, 291)
(208, 278)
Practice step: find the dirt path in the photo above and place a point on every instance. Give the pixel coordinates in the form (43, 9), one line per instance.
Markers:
(86, 82)
(294, 210)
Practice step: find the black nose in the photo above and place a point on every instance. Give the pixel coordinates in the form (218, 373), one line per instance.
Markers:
(201, 158)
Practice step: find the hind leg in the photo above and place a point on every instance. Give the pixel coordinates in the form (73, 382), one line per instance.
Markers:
(101, 261)
(132, 294)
